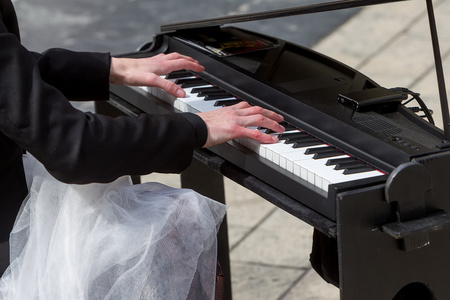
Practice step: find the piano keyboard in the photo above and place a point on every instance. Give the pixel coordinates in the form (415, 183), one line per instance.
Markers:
(298, 152)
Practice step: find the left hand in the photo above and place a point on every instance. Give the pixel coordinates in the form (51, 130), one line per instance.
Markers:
(147, 71)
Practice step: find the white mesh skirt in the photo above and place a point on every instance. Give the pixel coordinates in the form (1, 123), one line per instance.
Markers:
(112, 241)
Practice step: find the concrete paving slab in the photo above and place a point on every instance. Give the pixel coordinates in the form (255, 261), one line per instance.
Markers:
(312, 287)
(256, 281)
(367, 33)
(281, 240)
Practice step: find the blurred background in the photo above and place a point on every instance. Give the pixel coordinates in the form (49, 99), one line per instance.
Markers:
(119, 26)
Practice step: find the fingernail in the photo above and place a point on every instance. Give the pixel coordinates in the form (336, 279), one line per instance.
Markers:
(274, 139)
(180, 93)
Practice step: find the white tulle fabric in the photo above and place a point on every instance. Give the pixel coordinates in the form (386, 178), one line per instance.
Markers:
(112, 241)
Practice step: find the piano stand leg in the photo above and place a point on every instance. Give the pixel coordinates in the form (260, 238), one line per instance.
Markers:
(324, 257)
(209, 183)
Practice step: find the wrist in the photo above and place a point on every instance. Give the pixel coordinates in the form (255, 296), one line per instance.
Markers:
(114, 71)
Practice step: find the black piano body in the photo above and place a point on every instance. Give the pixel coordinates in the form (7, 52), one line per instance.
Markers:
(303, 86)
(391, 229)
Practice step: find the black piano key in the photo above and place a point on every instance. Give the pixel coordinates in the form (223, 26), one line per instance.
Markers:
(178, 74)
(302, 137)
(270, 131)
(324, 152)
(335, 161)
(307, 143)
(285, 136)
(287, 126)
(350, 165)
(264, 130)
(191, 82)
(227, 102)
(206, 89)
(366, 168)
(319, 150)
(328, 154)
(217, 96)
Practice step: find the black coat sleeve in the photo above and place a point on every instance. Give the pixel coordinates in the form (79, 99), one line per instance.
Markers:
(79, 147)
(78, 75)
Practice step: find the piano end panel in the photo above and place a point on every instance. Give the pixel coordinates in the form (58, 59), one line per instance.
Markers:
(438, 166)
(372, 264)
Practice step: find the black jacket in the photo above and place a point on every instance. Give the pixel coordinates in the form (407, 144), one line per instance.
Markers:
(75, 147)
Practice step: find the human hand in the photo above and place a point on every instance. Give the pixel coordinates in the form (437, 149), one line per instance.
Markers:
(231, 122)
(147, 71)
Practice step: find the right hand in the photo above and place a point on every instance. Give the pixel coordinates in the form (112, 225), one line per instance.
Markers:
(228, 123)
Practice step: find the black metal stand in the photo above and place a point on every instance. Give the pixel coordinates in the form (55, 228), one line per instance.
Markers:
(439, 70)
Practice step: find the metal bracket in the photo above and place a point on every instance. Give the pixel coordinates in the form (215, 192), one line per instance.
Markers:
(414, 234)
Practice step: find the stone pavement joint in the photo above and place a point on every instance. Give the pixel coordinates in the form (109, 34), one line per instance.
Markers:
(251, 230)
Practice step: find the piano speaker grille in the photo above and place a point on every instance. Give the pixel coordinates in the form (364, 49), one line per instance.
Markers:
(395, 125)
(376, 124)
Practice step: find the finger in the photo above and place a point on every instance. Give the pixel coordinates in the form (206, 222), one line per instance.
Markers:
(169, 86)
(257, 110)
(174, 61)
(239, 105)
(180, 64)
(260, 121)
(257, 116)
(245, 109)
(259, 136)
(176, 55)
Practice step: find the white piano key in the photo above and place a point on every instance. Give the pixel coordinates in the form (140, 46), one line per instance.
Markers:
(316, 171)
(289, 158)
(325, 175)
(275, 152)
(357, 176)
